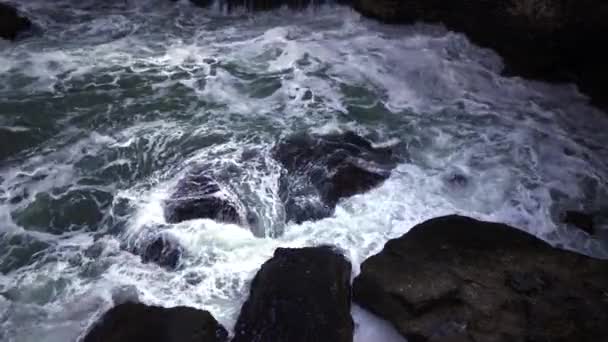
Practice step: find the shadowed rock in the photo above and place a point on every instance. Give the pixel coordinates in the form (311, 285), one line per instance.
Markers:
(11, 23)
(163, 251)
(300, 295)
(458, 279)
(553, 40)
(131, 322)
(199, 196)
(322, 169)
(582, 221)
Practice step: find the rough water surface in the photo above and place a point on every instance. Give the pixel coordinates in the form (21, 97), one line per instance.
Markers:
(104, 111)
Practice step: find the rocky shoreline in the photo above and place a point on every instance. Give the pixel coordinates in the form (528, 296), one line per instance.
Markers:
(548, 40)
(451, 278)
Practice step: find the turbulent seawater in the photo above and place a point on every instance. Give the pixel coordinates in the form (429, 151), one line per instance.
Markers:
(106, 107)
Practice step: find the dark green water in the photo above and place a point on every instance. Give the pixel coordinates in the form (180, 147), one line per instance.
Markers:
(102, 113)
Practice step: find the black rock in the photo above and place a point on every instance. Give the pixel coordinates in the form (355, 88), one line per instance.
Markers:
(580, 220)
(202, 3)
(458, 279)
(300, 295)
(163, 251)
(322, 169)
(130, 322)
(11, 23)
(199, 196)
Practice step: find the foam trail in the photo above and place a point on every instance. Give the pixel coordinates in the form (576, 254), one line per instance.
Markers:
(115, 102)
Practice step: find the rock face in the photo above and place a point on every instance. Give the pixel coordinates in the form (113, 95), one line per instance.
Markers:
(162, 250)
(458, 279)
(198, 196)
(580, 220)
(320, 170)
(130, 322)
(554, 40)
(11, 23)
(300, 295)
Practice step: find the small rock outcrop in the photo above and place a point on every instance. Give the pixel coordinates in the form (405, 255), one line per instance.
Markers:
(553, 40)
(322, 169)
(11, 23)
(458, 279)
(162, 250)
(131, 322)
(299, 295)
(199, 196)
(580, 220)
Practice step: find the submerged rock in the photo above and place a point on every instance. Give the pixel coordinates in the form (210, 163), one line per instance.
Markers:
(11, 23)
(553, 40)
(163, 250)
(580, 220)
(130, 322)
(458, 279)
(199, 196)
(300, 295)
(322, 169)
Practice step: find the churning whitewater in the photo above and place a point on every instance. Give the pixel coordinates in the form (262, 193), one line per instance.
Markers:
(109, 105)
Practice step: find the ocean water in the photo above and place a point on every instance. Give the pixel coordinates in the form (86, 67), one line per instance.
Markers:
(106, 108)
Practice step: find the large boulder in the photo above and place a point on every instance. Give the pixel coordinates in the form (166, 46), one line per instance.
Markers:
(11, 23)
(299, 295)
(130, 322)
(198, 196)
(458, 279)
(319, 170)
(554, 40)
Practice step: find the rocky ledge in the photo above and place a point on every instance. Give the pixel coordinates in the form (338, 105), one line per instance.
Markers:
(131, 322)
(459, 279)
(553, 40)
(299, 295)
(450, 279)
(11, 23)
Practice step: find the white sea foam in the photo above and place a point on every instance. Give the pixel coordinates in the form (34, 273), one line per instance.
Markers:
(206, 89)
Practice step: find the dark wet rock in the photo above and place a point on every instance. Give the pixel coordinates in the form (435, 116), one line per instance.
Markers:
(199, 196)
(299, 295)
(322, 169)
(18, 250)
(162, 250)
(458, 279)
(202, 3)
(12, 23)
(130, 322)
(553, 40)
(580, 220)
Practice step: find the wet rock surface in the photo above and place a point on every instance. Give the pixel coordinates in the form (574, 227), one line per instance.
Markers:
(163, 250)
(299, 295)
(458, 279)
(322, 169)
(130, 322)
(199, 196)
(580, 220)
(12, 23)
(553, 40)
